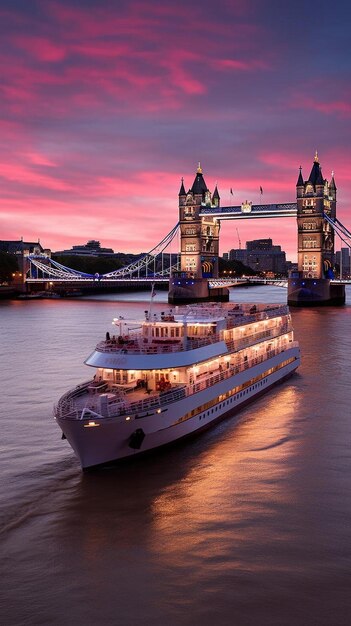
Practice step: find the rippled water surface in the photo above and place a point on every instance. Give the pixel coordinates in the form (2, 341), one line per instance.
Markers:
(247, 524)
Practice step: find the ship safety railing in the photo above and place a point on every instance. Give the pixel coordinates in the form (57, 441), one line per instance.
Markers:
(157, 346)
(67, 403)
(236, 319)
(125, 408)
(138, 344)
(168, 397)
(252, 339)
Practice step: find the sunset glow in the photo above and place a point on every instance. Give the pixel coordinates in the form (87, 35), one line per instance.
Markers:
(105, 106)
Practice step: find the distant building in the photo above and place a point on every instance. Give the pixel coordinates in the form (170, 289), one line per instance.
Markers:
(22, 247)
(91, 248)
(262, 256)
(238, 255)
(342, 259)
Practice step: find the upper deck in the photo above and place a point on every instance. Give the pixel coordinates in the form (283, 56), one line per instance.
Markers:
(181, 338)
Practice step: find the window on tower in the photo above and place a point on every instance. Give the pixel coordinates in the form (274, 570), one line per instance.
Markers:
(309, 226)
(309, 202)
(190, 264)
(189, 212)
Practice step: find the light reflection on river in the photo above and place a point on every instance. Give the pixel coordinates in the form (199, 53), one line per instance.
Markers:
(249, 523)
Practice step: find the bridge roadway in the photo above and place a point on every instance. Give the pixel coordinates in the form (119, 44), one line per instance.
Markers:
(88, 283)
(108, 283)
(96, 286)
(82, 282)
(98, 281)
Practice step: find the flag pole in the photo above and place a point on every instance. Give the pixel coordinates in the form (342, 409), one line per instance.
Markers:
(152, 295)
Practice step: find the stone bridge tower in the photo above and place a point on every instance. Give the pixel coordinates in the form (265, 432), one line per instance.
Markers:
(315, 197)
(199, 235)
(199, 245)
(315, 246)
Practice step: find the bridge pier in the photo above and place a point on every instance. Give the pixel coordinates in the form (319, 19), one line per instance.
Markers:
(314, 292)
(185, 290)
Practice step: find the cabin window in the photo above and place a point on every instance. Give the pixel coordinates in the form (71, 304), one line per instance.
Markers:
(107, 374)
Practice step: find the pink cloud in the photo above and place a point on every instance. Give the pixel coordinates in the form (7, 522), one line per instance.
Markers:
(239, 65)
(130, 59)
(324, 101)
(41, 48)
(26, 176)
(339, 107)
(37, 158)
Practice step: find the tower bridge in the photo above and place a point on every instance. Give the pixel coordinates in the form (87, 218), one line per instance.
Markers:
(200, 217)
(193, 271)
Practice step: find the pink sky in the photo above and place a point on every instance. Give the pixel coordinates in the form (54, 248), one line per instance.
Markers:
(105, 106)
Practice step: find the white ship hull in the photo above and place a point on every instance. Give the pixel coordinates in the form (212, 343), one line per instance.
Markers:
(109, 439)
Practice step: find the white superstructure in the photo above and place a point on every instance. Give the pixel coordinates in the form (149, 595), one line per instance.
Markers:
(169, 375)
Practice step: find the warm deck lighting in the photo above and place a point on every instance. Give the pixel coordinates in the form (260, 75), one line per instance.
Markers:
(91, 425)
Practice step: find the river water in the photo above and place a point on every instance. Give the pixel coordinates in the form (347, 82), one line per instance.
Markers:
(247, 524)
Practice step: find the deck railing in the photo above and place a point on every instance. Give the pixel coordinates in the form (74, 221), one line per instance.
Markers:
(136, 343)
(65, 407)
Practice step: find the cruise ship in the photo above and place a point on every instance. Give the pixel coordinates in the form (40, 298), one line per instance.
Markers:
(173, 374)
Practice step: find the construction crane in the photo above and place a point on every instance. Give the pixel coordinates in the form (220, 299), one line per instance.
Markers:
(239, 239)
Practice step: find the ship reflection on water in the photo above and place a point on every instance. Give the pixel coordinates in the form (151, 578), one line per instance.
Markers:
(229, 516)
(216, 506)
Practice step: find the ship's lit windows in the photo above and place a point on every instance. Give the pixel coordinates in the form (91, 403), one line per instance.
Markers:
(107, 374)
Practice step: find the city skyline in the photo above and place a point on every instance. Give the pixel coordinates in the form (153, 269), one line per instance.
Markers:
(105, 108)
